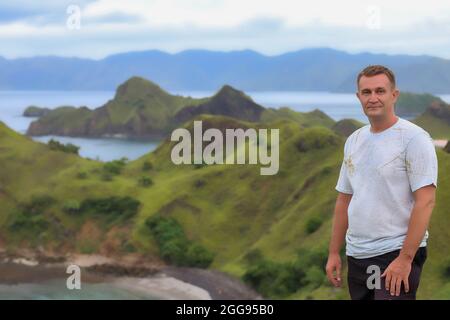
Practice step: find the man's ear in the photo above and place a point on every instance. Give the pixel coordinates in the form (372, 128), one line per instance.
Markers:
(357, 95)
(396, 94)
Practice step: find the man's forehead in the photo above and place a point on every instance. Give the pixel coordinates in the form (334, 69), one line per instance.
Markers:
(374, 82)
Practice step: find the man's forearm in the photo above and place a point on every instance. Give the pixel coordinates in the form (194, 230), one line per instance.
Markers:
(418, 224)
(340, 224)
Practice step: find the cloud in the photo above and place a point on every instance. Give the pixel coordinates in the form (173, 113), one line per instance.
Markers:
(114, 17)
(37, 12)
(9, 14)
(270, 27)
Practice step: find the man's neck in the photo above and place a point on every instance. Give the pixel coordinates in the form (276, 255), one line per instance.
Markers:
(378, 125)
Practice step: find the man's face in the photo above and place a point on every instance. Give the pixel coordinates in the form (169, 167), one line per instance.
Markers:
(377, 96)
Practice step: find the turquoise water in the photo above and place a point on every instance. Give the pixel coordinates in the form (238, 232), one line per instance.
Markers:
(56, 290)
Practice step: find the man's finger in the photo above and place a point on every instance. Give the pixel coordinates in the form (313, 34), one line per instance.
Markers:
(406, 282)
(330, 276)
(398, 286)
(338, 272)
(388, 280)
(392, 286)
(336, 278)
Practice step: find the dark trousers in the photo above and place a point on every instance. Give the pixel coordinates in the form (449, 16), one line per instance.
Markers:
(357, 276)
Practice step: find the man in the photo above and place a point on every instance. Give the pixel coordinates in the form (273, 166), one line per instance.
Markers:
(386, 188)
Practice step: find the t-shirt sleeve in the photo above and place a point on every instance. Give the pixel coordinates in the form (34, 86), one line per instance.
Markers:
(343, 185)
(421, 162)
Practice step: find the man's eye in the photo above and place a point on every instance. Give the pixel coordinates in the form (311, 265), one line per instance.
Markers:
(380, 91)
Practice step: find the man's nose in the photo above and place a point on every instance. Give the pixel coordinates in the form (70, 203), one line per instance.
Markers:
(373, 97)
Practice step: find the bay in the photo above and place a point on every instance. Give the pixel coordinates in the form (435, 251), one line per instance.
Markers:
(13, 103)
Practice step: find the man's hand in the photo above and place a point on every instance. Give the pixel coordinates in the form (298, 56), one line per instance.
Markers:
(397, 272)
(333, 269)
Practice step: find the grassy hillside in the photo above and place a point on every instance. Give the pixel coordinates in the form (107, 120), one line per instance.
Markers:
(436, 120)
(227, 102)
(412, 104)
(232, 202)
(140, 108)
(305, 119)
(345, 127)
(272, 230)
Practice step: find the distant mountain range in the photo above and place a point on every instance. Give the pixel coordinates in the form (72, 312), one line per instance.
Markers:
(319, 69)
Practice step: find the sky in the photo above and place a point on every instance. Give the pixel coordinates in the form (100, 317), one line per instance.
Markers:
(98, 28)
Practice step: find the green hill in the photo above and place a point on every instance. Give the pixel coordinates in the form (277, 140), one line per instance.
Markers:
(305, 119)
(141, 108)
(232, 202)
(413, 104)
(271, 230)
(436, 120)
(33, 111)
(345, 127)
(227, 102)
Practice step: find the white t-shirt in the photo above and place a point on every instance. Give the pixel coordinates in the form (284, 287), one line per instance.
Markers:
(381, 171)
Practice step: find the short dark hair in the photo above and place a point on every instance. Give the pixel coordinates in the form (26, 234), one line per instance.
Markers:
(375, 70)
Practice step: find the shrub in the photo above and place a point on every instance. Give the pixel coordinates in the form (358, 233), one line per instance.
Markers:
(87, 247)
(174, 247)
(254, 256)
(145, 181)
(312, 257)
(313, 224)
(273, 279)
(314, 277)
(174, 251)
(82, 175)
(72, 206)
(33, 225)
(198, 256)
(114, 167)
(111, 207)
(316, 138)
(446, 271)
(38, 204)
(279, 280)
(147, 165)
(199, 183)
(68, 148)
(106, 176)
(30, 217)
(25, 226)
(128, 247)
(326, 171)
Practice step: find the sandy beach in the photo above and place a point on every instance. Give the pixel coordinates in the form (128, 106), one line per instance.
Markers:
(163, 287)
(130, 274)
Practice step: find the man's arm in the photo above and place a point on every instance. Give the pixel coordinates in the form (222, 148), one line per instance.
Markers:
(398, 271)
(340, 225)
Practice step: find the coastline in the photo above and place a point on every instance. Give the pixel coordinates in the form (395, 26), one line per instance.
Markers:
(129, 273)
